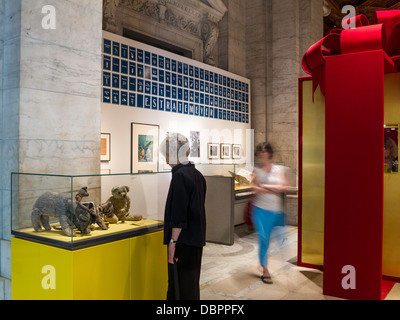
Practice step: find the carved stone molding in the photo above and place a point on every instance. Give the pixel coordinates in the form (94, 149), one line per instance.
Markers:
(209, 34)
(109, 14)
(199, 18)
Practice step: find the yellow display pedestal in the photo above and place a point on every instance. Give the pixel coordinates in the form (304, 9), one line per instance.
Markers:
(129, 269)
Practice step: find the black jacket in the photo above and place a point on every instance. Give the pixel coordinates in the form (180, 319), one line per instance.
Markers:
(185, 206)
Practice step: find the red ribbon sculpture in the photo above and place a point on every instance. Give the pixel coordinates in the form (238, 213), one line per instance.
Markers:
(383, 35)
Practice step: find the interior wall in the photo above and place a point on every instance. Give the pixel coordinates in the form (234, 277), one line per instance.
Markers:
(51, 90)
(9, 155)
(117, 120)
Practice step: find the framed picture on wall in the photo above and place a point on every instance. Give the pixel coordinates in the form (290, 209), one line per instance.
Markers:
(144, 147)
(105, 147)
(226, 151)
(213, 151)
(236, 151)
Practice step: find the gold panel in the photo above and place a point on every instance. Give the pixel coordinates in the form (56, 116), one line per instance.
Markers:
(313, 181)
(391, 205)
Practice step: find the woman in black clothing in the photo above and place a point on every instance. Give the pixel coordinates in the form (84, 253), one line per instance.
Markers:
(184, 220)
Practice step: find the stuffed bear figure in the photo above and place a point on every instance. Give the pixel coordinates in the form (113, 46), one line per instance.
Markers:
(120, 204)
(53, 204)
(83, 192)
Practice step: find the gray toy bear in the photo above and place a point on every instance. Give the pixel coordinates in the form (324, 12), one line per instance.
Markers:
(119, 204)
(53, 204)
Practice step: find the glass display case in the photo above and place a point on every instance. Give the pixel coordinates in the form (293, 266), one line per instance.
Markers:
(391, 142)
(242, 175)
(228, 189)
(240, 172)
(74, 212)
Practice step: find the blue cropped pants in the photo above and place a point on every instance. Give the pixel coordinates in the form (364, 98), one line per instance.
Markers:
(264, 222)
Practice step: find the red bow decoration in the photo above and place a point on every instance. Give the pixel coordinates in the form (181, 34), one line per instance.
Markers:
(383, 35)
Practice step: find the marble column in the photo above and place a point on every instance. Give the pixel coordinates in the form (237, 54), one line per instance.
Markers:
(2, 280)
(9, 130)
(258, 63)
(282, 116)
(278, 33)
(51, 110)
(296, 25)
(232, 38)
(60, 88)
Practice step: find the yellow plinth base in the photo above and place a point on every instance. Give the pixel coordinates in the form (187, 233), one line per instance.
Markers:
(134, 268)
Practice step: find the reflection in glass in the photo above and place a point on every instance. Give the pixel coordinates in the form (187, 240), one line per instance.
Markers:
(391, 148)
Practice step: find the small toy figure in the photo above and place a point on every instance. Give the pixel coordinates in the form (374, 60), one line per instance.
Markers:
(90, 205)
(118, 206)
(53, 204)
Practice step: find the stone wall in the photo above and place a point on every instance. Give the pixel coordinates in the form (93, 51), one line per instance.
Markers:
(232, 38)
(2, 280)
(51, 112)
(258, 63)
(9, 132)
(278, 33)
(190, 24)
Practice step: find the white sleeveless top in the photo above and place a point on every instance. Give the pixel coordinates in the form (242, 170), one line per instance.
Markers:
(268, 201)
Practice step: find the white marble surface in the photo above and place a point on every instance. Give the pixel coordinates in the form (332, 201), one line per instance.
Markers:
(233, 273)
(295, 25)
(232, 39)
(47, 115)
(5, 289)
(77, 23)
(11, 65)
(257, 64)
(52, 89)
(56, 68)
(1, 107)
(60, 88)
(12, 14)
(277, 32)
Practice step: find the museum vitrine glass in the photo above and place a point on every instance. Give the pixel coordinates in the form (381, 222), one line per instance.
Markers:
(240, 172)
(83, 210)
(391, 138)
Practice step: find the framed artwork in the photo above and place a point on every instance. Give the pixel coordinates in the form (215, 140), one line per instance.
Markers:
(236, 151)
(105, 147)
(195, 144)
(144, 148)
(226, 151)
(213, 151)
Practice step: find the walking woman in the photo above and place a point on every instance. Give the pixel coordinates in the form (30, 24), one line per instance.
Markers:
(269, 184)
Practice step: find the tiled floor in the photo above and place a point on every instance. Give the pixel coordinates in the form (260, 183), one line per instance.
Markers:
(233, 272)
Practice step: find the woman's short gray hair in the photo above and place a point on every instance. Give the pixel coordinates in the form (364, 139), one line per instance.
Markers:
(175, 147)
